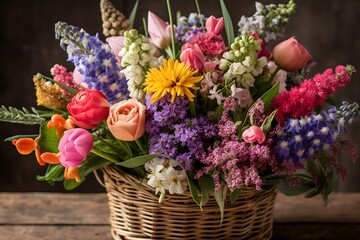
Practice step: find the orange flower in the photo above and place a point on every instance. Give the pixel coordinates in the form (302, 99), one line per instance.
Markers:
(57, 121)
(72, 173)
(26, 146)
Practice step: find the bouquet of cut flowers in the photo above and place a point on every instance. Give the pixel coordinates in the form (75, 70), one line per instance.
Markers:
(190, 106)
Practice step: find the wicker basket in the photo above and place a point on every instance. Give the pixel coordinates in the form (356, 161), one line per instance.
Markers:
(136, 214)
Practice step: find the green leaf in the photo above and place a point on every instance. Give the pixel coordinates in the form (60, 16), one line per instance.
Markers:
(68, 89)
(206, 185)
(285, 188)
(193, 190)
(269, 95)
(234, 196)
(218, 112)
(137, 161)
(53, 173)
(133, 13)
(220, 197)
(90, 164)
(266, 125)
(23, 116)
(9, 139)
(48, 141)
(229, 29)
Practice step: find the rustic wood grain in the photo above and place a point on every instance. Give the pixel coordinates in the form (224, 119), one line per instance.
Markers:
(37, 216)
(53, 208)
(36, 232)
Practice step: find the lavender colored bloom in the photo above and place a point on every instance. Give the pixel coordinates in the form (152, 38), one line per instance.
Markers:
(173, 134)
(94, 60)
(189, 27)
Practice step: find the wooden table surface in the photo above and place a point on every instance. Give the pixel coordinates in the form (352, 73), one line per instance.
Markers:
(30, 216)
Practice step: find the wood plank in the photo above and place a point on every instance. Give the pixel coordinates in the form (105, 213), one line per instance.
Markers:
(342, 207)
(53, 208)
(306, 231)
(37, 232)
(58, 208)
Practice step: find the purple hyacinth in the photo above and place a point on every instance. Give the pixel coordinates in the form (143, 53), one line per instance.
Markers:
(94, 60)
(302, 138)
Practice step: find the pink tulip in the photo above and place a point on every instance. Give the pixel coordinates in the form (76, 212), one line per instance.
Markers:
(253, 134)
(88, 108)
(192, 56)
(74, 146)
(126, 120)
(290, 55)
(159, 31)
(214, 25)
(116, 44)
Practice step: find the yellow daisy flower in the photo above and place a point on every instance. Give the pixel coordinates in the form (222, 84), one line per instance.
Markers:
(175, 78)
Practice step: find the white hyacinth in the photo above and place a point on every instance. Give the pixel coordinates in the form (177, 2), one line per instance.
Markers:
(137, 57)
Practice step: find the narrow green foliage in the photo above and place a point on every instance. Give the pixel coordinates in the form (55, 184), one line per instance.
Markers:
(133, 13)
(20, 116)
(229, 29)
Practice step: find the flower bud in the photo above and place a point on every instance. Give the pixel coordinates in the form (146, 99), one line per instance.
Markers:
(291, 55)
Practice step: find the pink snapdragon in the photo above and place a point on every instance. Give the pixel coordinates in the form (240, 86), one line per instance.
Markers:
(192, 56)
(74, 146)
(302, 100)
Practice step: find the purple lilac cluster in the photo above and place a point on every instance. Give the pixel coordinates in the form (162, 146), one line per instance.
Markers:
(238, 162)
(302, 138)
(175, 135)
(189, 27)
(94, 60)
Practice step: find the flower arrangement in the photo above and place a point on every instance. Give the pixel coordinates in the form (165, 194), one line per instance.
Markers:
(189, 109)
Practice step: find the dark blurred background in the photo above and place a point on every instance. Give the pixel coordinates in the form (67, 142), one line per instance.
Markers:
(327, 28)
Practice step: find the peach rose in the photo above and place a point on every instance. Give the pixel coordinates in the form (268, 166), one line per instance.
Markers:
(253, 134)
(126, 120)
(290, 55)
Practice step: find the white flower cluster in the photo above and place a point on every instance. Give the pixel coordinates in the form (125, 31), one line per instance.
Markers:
(268, 21)
(241, 65)
(163, 174)
(137, 57)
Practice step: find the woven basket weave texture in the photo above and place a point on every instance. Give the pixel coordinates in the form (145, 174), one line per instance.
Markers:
(135, 213)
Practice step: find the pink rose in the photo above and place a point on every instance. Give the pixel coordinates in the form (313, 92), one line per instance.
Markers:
(159, 31)
(253, 134)
(214, 25)
(192, 56)
(291, 55)
(126, 120)
(116, 44)
(88, 108)
(74, 146)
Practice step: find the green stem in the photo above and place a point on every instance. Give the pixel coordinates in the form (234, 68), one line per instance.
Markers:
(199, 13)
(103, 155)
(126, 148)
(192, 108)
(141, 146)
(171, 28)
(274, 73)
